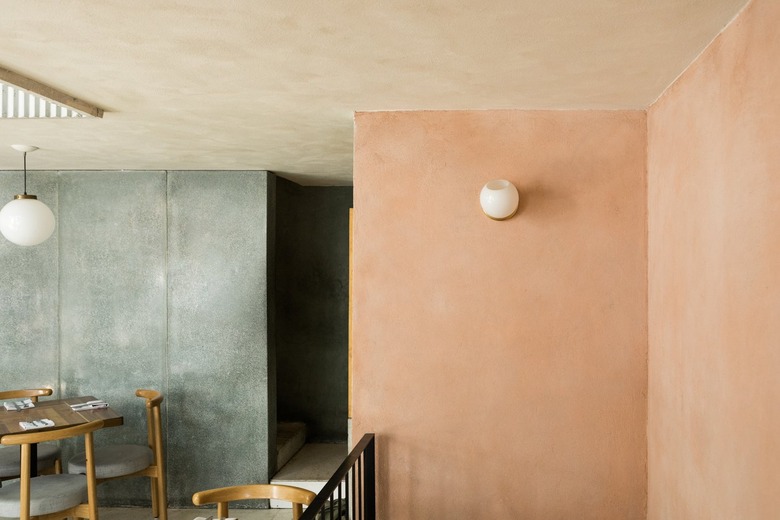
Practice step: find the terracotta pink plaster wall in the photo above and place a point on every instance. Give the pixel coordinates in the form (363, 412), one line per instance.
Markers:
(714, 280)
(502, 364)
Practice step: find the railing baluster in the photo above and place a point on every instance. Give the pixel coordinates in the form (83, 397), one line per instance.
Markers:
(338, 498)
(352, 511)
(369, 482)
(359, 467)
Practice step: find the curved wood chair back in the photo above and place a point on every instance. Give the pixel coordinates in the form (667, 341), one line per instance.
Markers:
(222, 496)
(153, 422)
(32, 393)
(25, 440)
(155, 471)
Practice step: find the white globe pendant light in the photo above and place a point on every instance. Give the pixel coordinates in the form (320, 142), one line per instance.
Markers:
(26, 221)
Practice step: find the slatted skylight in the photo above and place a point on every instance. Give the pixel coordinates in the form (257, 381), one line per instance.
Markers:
(16, 103)
(26, 98)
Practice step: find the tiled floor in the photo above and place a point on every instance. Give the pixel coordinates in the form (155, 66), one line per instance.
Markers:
(133, 513)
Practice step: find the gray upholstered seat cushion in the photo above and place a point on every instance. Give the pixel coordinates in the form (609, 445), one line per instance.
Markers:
(10, 460)
(48, 493)
(114, 461)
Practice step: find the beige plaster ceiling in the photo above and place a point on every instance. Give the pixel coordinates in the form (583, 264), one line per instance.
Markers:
(273, 84)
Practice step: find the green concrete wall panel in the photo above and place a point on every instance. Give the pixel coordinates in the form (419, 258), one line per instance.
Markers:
(218, 335)
(29, 344)
(113, 308)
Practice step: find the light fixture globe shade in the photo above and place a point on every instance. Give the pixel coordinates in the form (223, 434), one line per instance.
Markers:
(499, 199)
(26, 221)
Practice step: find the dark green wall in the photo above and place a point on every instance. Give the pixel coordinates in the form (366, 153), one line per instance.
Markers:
(312, 282)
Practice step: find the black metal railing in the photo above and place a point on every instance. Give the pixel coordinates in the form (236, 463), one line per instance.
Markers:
(350, 494)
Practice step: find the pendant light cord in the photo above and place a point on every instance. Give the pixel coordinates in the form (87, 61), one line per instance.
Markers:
(25, 173)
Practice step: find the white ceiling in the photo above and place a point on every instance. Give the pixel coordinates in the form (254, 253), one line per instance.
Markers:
(273, 84)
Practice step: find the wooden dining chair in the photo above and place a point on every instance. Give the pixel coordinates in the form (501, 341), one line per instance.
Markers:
(49, 455)
(50, 497)
(222, 496)
(121, 461)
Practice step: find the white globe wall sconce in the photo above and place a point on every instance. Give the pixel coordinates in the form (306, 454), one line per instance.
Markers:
(499, 199)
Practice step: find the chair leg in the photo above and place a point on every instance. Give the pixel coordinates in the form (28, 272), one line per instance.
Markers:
(155, 500)
(162, 498)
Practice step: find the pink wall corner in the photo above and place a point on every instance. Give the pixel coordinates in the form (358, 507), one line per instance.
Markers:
(714, 280)
(502, 364)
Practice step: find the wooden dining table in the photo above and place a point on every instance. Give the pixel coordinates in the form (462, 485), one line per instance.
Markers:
(59, 411)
